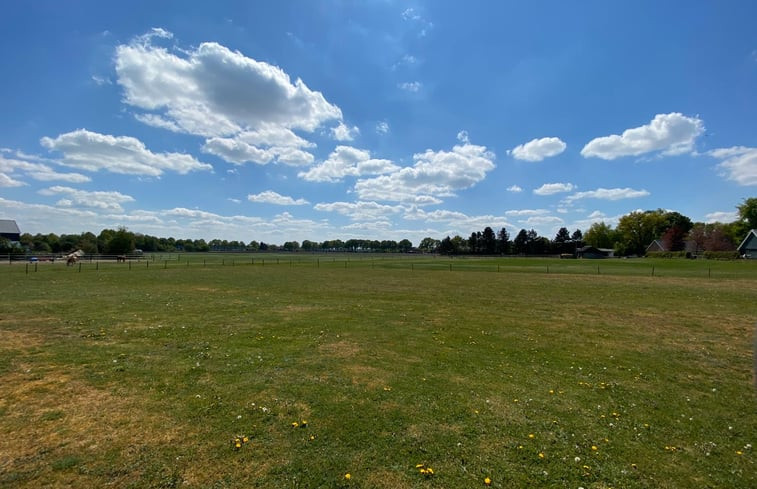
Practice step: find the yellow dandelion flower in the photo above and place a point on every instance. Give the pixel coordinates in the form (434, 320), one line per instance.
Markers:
(551, 391)
(531, 435)
(423, 471)
(594, 448)
(541, 454)
(295, 424)
(418, 466)
(520, 447)
(430, 471)
(238, 445)
(739, 452)
(487, 481)
(633, 466)
(245, 439)
(347, 476)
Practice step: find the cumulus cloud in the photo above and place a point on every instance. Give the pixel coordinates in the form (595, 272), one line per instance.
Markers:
(382, 127)
(739, 164)
(607, 194)
(37, 171)
(271, 197)
(721, 216)
(537, 221)
(6, 181)
(211, 90)
(526, 212)
(554, 188)
(92, 151)
(344, 133)
(457, 221)
(538, 149)
(97, 200)
(434, 174)
(346, 161)
(361, 210)
(514, 189)
(671, 134)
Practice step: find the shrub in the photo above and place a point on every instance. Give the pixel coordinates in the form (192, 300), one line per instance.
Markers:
(721, 255)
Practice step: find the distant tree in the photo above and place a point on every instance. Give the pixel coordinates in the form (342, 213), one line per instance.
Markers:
(748, 212)
(503, 242)
(429, 245)
(459, 244)
(121, 242)
(638, 229)
(600, 235)
(308, 245)
(291, 246)
(263, 246)
(405, 245)
(674, 239)
(488, 241)
(446, 247)
(577, 237)
(562, 242)
(520, 243)
(475, 242)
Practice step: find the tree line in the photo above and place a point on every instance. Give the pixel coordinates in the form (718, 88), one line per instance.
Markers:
(632, 235)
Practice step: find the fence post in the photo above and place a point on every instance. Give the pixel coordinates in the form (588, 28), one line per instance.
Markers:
(653, 270)
(148, 263)
(27, 269)
(35, 266)
(79, 267)
(97, 265)
(129, 264)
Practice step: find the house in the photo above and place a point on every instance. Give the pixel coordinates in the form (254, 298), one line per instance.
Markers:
(656, 245)
(748, 247)
(9, 230)
(593, 252)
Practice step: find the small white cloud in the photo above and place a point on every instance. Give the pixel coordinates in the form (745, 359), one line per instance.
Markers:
(97, 200)
(739, 164)
(462, 136)
(671, 134)
(722, 216)
(526, 212)
(92, 151)
(382, 127)
(514, 189)
(361, 210)
(101, 80)
(607, 194)
(554, 188)
(410, 86)
(344, 133)
(347, 161)
(6, 181)
(236, 201)
(410, 14)
(538, 149)
(271, 197)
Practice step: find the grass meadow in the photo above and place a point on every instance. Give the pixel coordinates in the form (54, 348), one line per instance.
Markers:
(293, 371)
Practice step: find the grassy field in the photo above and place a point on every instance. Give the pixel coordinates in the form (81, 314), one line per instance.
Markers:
(532, 373)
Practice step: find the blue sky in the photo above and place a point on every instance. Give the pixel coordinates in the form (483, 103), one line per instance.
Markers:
(293, 120)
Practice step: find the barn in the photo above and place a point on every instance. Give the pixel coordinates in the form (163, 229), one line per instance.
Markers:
(9, 230)
(748, 247)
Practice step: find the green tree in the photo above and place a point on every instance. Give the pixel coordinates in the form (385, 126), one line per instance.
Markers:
(121, 243)
(503, 242)
(520, 243)
(405, 245)
(600, 235)
(429, 245)
(638, 229)
(488, 241)
(748, 213)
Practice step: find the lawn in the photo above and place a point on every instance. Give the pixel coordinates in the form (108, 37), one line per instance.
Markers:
(532, 373)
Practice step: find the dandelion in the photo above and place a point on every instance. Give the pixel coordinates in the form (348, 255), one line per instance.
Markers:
(739, 452)
(245, 439)
(594, 448)
(347, 476)
(487, 481)
(418, 466)
(531, 435)
(551, 391)
(303, 423)
(295, 424)
(312, 437)
(633, 466)
(541, 454)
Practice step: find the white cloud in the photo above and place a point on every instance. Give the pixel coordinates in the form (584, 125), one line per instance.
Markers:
(97, 200)
(92, 151)
(722, 216)
(514, 189)
(607, 194)
(344, 133)
(38, 171)
(526, 212)
(739, 164)
(347, 161)
(214, 91)
(554, 188)
(457, 221)
(410, 86)
(671, 134)
(101, 80)
(538, 149)
(359, 211)
(6, 181)
(235, 151)
(434, 174)
(382, 127)
(271, 197)
(541, 221)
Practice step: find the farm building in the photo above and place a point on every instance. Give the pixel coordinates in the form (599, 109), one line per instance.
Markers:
(656, 245)
(9, 230)
(592, 252)
(748, 247)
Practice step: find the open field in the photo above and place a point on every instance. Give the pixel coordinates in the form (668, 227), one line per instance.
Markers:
(534, 373)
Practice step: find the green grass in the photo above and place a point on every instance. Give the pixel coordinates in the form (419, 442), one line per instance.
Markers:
(145, 377)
